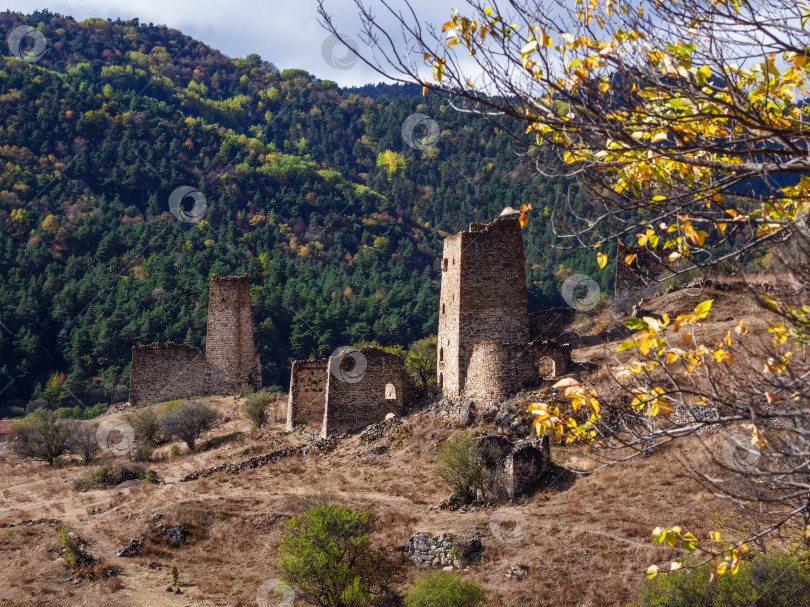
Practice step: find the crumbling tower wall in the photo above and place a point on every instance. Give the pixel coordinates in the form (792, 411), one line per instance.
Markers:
(362, 387)
(499, 369)
(230, 349)
(483, 296)
(167, 371)
(229, 365)
(307, 400)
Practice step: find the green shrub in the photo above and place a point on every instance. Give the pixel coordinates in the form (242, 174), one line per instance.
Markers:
(103, 477)
(175, 450)
(460, 465)
(468, 465)
(188, 421)
(420, 363)
(150, 476)
(145, 424)
(256, 407)
(326, 556)
(445, 590)
(41, 435)
(74, 553)
(769, 580)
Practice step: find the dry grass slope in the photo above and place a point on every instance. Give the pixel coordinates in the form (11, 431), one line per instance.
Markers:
(588, 540)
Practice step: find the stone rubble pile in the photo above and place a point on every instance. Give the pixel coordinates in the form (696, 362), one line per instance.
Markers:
(378, 430)
(132, 549)
(443, 551)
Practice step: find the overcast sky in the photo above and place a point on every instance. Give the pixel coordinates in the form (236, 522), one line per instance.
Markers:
(284, 32)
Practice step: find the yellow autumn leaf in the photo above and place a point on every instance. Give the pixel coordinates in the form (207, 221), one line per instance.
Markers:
(601, 260)
(702, 310)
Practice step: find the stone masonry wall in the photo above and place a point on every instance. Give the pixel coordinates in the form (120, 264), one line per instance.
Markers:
(356, 397)
(307, 399)
(162, 372)
(551, 323)
(638, 280)
(443, 551)
(230, 349)
(525, 466)
(230, 362)
(499, 369)
(447, 357)
(513, 467)
(483, 296)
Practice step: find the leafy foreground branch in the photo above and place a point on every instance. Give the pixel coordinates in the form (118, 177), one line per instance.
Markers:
(684, 120)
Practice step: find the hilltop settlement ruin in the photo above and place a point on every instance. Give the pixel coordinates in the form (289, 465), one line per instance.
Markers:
(489, 345)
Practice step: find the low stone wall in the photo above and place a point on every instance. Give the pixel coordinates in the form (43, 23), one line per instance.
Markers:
(320, 446)
(443, 551)
(307, 400)
(167, 371)
(498, 369)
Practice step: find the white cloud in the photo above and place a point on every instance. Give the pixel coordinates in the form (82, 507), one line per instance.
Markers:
(284, 32)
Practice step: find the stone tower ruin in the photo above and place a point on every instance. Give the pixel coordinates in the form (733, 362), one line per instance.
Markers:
(230, 350)
(229, 364)
(483, 296)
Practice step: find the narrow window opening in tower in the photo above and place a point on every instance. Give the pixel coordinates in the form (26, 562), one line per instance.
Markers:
(441, 355)
(444, 265)
(443, 310)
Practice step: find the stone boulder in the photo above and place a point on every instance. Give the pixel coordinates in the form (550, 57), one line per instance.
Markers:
(467, 414)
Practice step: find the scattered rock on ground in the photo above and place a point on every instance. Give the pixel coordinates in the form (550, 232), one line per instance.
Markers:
(131, 550)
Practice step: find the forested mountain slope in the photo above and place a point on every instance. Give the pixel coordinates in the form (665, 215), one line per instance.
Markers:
(310, 190)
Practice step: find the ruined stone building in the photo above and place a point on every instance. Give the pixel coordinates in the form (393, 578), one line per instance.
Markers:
(512, 468)
(487, 346)
(230, 363)
(347, 391)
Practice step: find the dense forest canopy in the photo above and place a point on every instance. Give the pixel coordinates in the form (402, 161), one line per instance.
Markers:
(310, 189)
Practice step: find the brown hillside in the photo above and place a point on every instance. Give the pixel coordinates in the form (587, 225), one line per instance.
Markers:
(588, 541)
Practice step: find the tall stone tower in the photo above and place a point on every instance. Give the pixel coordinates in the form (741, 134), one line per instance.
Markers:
(483, 296)
(231, 354)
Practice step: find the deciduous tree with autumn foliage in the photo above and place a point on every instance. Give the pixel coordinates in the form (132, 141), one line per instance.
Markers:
(687, 122)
